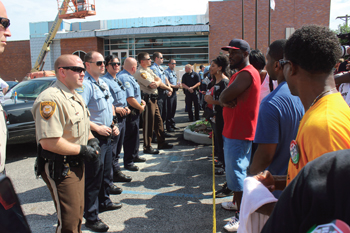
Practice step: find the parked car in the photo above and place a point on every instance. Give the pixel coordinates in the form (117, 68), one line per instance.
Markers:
(19, 119)
(11, 84)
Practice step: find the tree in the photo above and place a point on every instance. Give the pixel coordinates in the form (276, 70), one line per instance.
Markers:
(343, 33)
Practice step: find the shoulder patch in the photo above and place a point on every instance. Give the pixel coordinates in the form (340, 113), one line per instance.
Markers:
(144, 75)
(127, 84)
(80, 89)
(47, 108)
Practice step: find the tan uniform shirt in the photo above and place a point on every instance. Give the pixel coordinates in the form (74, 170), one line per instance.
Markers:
(3, 139)
(59, 113)
(145, 77)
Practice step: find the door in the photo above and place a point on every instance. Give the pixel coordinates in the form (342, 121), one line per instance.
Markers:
(120, 54)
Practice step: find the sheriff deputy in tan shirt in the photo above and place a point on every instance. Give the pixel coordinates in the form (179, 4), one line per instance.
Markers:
(152, 120)
(64, 140)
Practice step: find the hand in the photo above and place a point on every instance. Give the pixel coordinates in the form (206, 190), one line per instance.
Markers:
(348, 66)
(128, 111)
(170, 93)
(208, 98)
(266, 179)
(170, 90)
(115, 130)
(231, 104)
(104, 130)
(143, 103)
(88, 153)
(190, 90)
(143, 108)
(95, 143)
(121, 111)
(153, 85)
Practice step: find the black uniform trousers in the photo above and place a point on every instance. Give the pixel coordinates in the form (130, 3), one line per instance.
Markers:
(152, 121)
(218, 127)
(189, 98)
(98, 180)
(68, 196)
(162, 104)
(117, 143)
(171, 110)
(132, 138)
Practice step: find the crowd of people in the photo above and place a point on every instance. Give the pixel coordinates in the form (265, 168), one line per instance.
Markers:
(280, 127)
(278, 114)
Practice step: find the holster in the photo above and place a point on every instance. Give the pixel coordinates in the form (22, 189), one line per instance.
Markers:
(145, 97)
(59, 165)
(39, 165)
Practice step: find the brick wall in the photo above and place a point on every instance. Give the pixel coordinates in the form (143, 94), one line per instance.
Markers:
(225, 20)
(69, 46)
(15, 61)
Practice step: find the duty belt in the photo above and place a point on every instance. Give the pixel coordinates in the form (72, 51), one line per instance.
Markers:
(101, 137)
(150, 96)
(133, 110)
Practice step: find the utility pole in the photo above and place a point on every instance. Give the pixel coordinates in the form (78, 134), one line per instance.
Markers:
(345, 18)
(242, 19)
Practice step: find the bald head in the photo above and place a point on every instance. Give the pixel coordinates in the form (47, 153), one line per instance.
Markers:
(130, 65)
(67, 60)
(4, 32)
(70, 71)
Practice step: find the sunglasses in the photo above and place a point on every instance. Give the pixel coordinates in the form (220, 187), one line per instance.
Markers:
(98, 63)
(114, 63)
(5, 22)
(161, 58)
(283, 62)
(73, 68)
(172, 63)
(147, 59)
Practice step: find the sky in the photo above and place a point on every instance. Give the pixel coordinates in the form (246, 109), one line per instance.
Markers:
(22, 12)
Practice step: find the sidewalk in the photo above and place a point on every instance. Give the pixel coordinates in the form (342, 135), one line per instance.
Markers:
(171, 192)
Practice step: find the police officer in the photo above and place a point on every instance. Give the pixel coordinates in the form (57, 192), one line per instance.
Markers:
(4, 33)
(99, 100)
(152, 120)
(190, 84)
(64, 138)
(133, 97)
(118, 92)
(171, 100)
(162, 93)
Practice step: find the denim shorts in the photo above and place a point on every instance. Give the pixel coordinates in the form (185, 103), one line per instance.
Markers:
(237, 156)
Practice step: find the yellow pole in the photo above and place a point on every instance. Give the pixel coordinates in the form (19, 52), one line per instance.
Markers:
(213, 164)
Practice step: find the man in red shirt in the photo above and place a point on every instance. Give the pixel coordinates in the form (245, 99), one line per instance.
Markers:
(241, 106)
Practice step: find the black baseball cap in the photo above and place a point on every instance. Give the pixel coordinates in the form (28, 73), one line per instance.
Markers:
(237, 44)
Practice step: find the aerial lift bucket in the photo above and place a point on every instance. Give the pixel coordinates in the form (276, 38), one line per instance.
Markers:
(72, 9)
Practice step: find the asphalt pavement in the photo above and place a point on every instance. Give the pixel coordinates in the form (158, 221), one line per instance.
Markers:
(172, 191)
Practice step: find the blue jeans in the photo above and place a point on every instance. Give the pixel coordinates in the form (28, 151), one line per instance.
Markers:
(237, 156)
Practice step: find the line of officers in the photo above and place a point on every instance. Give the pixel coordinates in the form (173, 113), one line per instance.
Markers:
(83, 121)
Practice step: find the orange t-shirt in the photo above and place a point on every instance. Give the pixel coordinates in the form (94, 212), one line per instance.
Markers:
(324, 128)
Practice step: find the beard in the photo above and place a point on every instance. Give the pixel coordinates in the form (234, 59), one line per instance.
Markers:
(237, 64)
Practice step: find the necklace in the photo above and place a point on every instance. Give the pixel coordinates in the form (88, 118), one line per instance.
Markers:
(320, 96)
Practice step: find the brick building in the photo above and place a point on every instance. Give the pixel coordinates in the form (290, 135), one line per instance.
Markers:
(194, 39)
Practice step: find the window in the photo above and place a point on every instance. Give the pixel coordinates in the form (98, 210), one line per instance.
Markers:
(186, 49)
(80, 54)
(30, 89)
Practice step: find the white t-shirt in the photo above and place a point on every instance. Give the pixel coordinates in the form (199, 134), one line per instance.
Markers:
(3, 85)
(3, 139)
